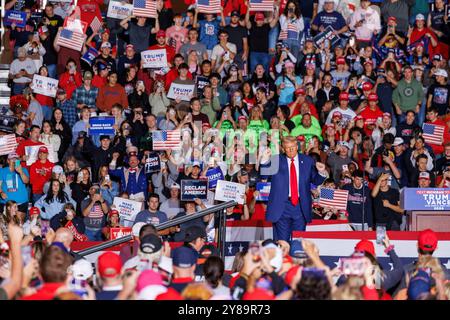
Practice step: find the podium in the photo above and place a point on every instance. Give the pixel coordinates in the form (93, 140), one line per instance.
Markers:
(426, 208)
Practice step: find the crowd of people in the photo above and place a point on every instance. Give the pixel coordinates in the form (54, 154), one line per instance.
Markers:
(361, 100)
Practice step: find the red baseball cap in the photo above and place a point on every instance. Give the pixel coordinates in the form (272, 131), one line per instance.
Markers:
(109, 265)
(365, 246)
(112, 212)
(299, 91)
(372, 97)
(170, 294)
(340, 60)
(34, 211)
(367, 86)
(161, 33)
(301, 138)
(344, 96)
(387, 114)
(206, 125)
(368, 62)
(359, 117)
(428, 240)
(43, 149)
(129, 46)
(259, 16)
(242, 118)
(394, 19)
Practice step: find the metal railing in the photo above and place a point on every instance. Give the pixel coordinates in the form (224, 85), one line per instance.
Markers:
(220, 209)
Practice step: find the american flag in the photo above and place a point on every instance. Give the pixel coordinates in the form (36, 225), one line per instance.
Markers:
(333, 198)
(163, 140)
(289, 33)
(144, 8)
(261, 5)
(208, 6)
(96, 212)
(8, 144)
(71, 39)
(96, 24)
(433, 133)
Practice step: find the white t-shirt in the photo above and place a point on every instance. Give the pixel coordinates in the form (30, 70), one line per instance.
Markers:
(347, 115)
(18, 65)
(218, 53)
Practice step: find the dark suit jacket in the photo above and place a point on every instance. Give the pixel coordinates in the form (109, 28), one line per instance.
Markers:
(279, 191)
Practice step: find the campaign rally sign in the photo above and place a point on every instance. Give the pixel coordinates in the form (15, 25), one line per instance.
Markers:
(7, 122)
(119, 10)
(19, 18)
(264, 190)
(90, 55)
(75, 24)
(101, 125)
(44, 85)
(154, 58)
(31, 153)
(226, 191)
(191, 189)
(431, 199)
(201, 82)
(181, 91)
(128, 209)
(152, 163)
(326, 34)
(214, 175)
(116, 233)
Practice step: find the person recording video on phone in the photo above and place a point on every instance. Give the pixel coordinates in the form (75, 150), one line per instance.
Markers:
(366, 22)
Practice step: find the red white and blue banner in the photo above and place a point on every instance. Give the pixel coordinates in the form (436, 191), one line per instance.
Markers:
(429, 199)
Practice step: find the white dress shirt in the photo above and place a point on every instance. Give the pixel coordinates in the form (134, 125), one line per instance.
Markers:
(297, 170)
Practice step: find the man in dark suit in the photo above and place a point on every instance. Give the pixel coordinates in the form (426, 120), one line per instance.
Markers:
(289, 206)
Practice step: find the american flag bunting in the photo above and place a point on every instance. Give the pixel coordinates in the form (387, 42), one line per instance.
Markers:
(433, 133)
(163, 140)
(333, 198)
(209, 6)
(144, 8)
(71, 39)
(261, 5)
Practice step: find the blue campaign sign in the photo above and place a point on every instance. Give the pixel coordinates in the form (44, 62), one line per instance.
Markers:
(264, 190)
(191, 189)
(90, 55)
(101, 125)
(431, 199)
(152, 163)
(19, 18)
(214, 175)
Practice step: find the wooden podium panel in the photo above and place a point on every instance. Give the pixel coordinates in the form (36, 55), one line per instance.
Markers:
(439, 221)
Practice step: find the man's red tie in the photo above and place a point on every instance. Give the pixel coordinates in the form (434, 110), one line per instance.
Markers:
(294, 184)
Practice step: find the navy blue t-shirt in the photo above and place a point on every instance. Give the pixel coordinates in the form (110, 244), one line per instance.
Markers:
(333, 19)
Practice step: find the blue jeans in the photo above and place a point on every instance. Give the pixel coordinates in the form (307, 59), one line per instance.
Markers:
(47, 111)
(17, 88)
(273, 37)
(294, 45)
(420, 117)
(52, 71)
(259, 58)
(93, 234)
(35, 197)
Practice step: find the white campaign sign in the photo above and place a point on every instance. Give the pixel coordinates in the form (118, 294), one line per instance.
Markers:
(128, 209)
(226, 191)
(32, 153)
(154, 58)
(44, 85)
(181, 91)
(118, 10)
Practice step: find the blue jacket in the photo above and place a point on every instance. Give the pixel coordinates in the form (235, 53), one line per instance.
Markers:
(131, 185)
(279, 191)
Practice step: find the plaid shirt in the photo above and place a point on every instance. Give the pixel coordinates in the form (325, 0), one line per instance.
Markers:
(70, 112)
(83, 96)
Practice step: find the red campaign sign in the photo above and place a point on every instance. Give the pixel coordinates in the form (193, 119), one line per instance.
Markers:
(78, 236)
(116, 233)
(75, 24)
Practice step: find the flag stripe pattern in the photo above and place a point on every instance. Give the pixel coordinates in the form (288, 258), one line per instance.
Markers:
(289, 33)
(71, 39)
(208, 6)
(163, 140)
(261, 5)
(333, 198)
(144, 8)
(8, 144)
(96, 24)
(96, 212)
(432, 133)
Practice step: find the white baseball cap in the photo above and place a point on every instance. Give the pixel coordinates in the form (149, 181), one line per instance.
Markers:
(441, 72)
(82, 269)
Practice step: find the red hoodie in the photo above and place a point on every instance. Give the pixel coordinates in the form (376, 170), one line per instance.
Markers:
(37, 179)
